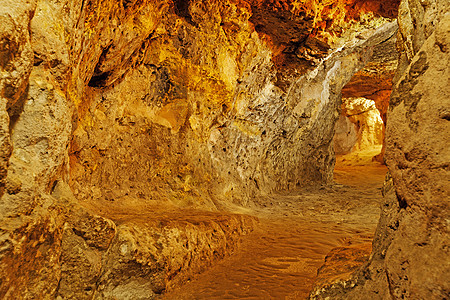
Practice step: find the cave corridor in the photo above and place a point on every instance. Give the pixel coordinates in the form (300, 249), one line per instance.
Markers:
(224, 149)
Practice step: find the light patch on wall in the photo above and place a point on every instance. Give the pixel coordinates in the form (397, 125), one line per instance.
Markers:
(360, 127)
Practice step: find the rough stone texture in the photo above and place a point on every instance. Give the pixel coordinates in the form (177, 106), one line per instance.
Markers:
(419, 160)
(158, 103)
(31, 224)
(167, 250)
(410, 258)
(300, 32)
(140, 251)
(16, 58)
(29, 239)
(335, 275)
(345, 136)
(209, 143)
(66, 252)
(360, 126)
(40, 239)
(374, 82)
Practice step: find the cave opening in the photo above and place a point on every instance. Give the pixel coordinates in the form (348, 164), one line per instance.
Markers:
(359, 140)
(359, 129)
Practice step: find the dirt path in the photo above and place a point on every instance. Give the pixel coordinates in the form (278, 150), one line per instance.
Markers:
(279, 260)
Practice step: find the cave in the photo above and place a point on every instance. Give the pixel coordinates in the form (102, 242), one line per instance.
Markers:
(224, 149)
(360, 128)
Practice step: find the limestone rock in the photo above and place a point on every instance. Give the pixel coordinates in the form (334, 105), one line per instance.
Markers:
(233, 134)
(345, 136)
(16, 61)
(40, 136)
(413, 232)
(30, 267)
(155, 112)
(375, 81)
(369, 126)
(418, 160)
(335, 275)
(139, 255)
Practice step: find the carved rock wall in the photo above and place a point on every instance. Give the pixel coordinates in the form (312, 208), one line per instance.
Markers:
(201, 123)
(157, 103)
(359, 127)
(419, 155)
(375, 82)
(411, 246)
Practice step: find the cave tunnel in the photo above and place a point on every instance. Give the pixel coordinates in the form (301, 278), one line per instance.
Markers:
(224, 149)
(359, 140)
(365, 102)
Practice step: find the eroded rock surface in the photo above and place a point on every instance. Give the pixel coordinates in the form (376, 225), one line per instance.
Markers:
(163, 105)
(359, 127)
(16, 61)
(335, 275)
(410, 258)
(137, 251)
(374, 82)
(205, 123)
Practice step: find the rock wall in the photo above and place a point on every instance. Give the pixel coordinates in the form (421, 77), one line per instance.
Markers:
(149, 107)
(207, 124)
(419, 155)
(374, 82)
(359, 127)
(411, 245)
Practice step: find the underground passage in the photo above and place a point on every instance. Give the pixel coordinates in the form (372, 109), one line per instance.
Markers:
(224, 149)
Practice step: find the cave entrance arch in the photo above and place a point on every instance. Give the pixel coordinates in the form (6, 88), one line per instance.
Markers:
(360, 128)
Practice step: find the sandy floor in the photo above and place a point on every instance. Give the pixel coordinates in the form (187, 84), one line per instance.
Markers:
(279, 260)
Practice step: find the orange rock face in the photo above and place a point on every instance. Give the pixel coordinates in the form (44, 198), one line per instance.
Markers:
(301, 32)
(336, 273)
(374, 82)
(410, 249)
(170, 106)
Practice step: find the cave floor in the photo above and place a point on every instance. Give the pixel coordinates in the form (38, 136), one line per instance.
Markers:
(280, 258)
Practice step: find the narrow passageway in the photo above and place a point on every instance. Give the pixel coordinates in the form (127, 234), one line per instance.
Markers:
(185, 149)
(280, 259)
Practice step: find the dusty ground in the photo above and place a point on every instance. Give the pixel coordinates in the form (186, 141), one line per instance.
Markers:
(279, 260)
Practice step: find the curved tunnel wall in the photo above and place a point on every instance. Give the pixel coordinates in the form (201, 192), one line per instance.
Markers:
(148, 100)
